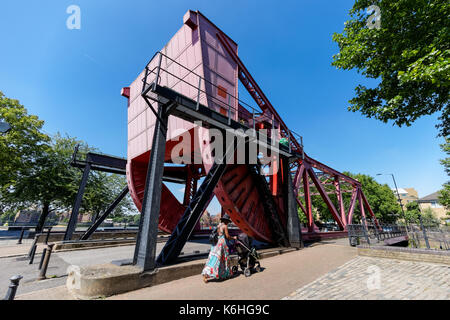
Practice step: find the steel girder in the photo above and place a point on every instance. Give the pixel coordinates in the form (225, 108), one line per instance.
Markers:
(193, 212)
(304, 163)
(340, 215)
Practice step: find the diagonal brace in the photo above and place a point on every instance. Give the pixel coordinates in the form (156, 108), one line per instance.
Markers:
(102, 218)
(192, 214)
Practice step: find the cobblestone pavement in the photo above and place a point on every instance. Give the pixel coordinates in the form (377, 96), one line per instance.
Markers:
(379, 279)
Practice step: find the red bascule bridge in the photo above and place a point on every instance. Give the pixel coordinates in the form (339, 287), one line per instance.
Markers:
(187, 89)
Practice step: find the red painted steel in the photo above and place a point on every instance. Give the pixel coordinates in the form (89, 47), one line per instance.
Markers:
(340, 200)
(263, 102)
(202, 47)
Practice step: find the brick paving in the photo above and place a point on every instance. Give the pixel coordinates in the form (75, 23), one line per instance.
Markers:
(366, 278)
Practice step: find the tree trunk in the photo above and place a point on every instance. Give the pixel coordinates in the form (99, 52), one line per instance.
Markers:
(44, 214)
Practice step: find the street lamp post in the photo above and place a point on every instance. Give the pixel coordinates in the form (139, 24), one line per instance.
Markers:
(398, 194)
(4, 127)
(399, 200)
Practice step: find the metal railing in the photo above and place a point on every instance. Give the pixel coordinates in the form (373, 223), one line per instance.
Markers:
(230, 106)
(429, 236)
(371, 233)
(419, 236)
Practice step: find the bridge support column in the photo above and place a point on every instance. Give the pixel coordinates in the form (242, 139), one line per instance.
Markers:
(145, 250)
(76, 207)
(293, 222)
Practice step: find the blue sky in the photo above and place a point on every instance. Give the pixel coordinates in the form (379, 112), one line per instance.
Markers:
(72, 78)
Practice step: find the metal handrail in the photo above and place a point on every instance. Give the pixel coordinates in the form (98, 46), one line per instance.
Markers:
(255, 112)
(203, 91)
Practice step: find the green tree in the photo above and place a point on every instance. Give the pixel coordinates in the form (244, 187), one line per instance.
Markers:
(101, 190)
(444, 197)
(444, 194)
(429, 218)
(409, 55)
(136, 218)
(412, 212)
(36, 170)
(445, 147)
(19, 149)
(51, 182)
(301, 215)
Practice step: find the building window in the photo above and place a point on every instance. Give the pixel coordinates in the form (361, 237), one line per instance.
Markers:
(435, 204)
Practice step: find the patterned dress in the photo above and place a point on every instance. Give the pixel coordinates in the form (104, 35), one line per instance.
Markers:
(218, 264)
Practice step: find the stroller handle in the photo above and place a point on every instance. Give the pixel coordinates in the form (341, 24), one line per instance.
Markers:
(243, 244)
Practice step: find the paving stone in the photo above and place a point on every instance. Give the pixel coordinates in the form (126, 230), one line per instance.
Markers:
(397, 279)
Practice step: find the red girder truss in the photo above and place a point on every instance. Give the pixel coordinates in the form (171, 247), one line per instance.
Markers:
(305, 177)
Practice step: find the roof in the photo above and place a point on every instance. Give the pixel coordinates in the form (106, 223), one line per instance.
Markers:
(430, 197)
(400, 190)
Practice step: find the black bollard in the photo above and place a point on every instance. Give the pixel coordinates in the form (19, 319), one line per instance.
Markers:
(48, 235)
(33, 245)
(33, 252)
(13, 287)
(21, 236)
(42, 258)
(45, 263)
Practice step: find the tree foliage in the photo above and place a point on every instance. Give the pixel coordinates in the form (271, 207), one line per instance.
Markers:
(445, 147)
(429, 218)
(19, 148)
(444, 194)
(36, 170)
(380, 197)
(413, 212)
(50, 182)
(444, 197)
(409, 55)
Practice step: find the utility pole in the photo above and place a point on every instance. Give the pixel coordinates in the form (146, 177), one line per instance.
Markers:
(398, 194)
(399, 200)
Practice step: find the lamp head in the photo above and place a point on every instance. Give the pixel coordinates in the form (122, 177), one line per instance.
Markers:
(4, 127)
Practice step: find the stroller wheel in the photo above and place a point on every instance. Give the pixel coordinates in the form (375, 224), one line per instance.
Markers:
(234, 269)
(258, 268)
(247, 272)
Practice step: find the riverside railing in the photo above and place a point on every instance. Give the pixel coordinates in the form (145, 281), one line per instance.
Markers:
(419, 235)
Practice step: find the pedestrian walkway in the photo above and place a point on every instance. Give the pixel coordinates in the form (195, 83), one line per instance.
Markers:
(324, 270)
(281, 275)
(13, 261)
(379, 279)
(10, 238)
(18, 250)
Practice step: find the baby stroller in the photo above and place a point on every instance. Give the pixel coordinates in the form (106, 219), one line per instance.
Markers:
(247, 255)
